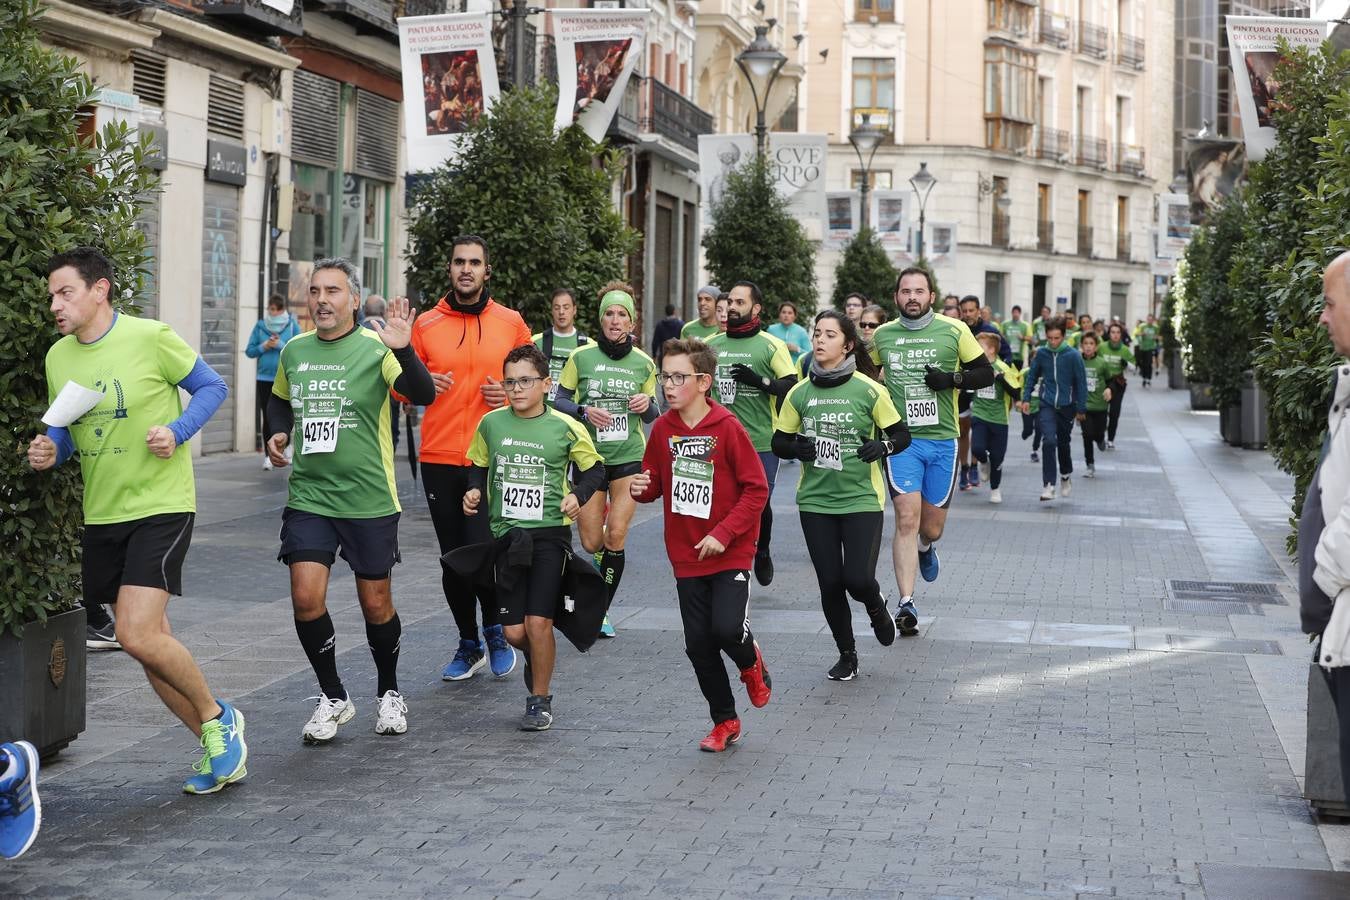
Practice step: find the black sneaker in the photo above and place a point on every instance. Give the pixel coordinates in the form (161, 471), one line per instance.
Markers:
(846, 669)
(104, 638)
(883, 626)
(764, 569)
(538, 713)
(907, 619)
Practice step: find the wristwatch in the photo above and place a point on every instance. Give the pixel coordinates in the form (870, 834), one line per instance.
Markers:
(958, 377)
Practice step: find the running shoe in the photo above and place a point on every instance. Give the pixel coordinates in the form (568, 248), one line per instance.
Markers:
(758, 684)
(329, 713)
(763, 569)
(104, 638)
(538, 713)
(965, 479)
(1065, 486)
(975, 476)
(267, 467)
(907, 619)
(984, 471)
(223, 741)
(606, 628)
(1048, 492)
(996, 496)
(1110, 445)
(501, 655)
(468, 659)
(1091, 471)
(723, 735)
(393, 715)
(883, 626)
(1101, 444)
(928, 563)
(20, 807)
(202, 781)
(1035, 457)
(847, 667)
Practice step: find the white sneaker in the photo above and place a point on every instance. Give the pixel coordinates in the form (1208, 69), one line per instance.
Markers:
(267, 462)
(1065, 486)
(322, 727)
(1110, 445)
(1048, 492)
(984, 472)
(393, 716)
(1091, 472)
(995, 495)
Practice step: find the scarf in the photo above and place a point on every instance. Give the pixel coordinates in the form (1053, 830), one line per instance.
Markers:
(615, 350)
(748, 328)
(828, 378)
(275, 324)
(920, 323)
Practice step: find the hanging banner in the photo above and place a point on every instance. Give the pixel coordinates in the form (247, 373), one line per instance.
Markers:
(939, 244)
(1253, 47)
(841, 217)
(797, 164)
(888, 218)
(1174, 225)
(1214, 167)
(597, 50)
(449, 63)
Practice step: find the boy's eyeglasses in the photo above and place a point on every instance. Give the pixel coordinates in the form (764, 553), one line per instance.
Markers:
(677, 378)
(523, 384)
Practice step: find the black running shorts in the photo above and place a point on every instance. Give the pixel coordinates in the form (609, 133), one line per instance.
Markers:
(537, 593)
(370, 546)
(145, 552)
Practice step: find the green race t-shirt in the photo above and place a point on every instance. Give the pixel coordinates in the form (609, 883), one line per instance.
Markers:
(562, 349)
(596, 380)
(754, 408)
(344, 452)
(1040, 329)
(1148, 337)
(840, 419)
(697, 329)
(1018, 335)
(990, 404)
(902, 354)
(527, 462)
(1118, 356)
(136, 365)
(1035, 405)
(1098, 374)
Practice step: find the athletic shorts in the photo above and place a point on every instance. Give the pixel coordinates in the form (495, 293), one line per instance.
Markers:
(370, 546)
(145, 552)
(927, 466)
(612, 473)
(538, 592)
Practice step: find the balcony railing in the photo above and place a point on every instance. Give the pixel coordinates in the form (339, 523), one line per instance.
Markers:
(671, 115)
(623, 128)
(1128, 160)
(1093, 40)
(1056, 30)
(367, 16)
(1123, 247)
(429, 7)
(1045, 236)
(1130, 51)
(1085, 240)
(256, 16)
(1050, 143)
(1089, 152)
(1001, 233)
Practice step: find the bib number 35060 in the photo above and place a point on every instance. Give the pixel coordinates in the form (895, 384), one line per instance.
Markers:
(921, 405)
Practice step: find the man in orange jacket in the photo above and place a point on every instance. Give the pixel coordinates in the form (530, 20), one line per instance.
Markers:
(462, 342)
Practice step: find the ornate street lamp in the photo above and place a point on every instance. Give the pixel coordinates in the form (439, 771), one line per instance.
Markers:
(922, 181)
(865, 140)
(760, 63)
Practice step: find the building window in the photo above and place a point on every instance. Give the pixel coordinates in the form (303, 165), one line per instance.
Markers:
(1011, 16)
(879, 10)
(1009, 95)
(310, 226)
(373, 211)
(878, 180)
(874, 84)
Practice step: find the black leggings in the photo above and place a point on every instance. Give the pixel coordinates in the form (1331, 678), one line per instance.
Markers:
(260, 421)
(445, 486)
(1144, 359)
(716, 613)
(1094, 430)
(844, 550)
(1113, 409)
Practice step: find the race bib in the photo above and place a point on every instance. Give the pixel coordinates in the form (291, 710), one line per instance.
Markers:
(987, 393)
(617, 429)
(523, 493)
(1092, 382)
(829, 453)
(921, 405)
(726, 386)
(320, 424)
(691, 487)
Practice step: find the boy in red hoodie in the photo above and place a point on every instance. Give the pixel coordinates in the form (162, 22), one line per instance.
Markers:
(700, 458)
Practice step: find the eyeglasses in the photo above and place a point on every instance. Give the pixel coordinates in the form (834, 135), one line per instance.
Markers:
(869, 324)
(523, 384)
(677, 378)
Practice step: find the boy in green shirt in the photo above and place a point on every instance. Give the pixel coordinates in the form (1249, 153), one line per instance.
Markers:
(1098, 396)
(989, 416)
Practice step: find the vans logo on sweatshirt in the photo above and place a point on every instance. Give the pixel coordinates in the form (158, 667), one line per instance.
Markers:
(693, 446)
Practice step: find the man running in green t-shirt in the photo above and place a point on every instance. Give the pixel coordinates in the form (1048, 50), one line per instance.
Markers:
(333, 387)
(558, 342)
(1146, 348)
(706, 325)
(139, 496)
(1018, 335)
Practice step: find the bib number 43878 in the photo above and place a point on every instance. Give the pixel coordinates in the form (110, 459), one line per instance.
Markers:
(691, 487)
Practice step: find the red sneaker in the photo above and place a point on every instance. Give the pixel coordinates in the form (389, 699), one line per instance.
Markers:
(723, 735)
(757, 682)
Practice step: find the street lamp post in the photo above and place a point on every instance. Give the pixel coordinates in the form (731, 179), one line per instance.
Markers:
(922, 181)
(865, 140)
(760, 63)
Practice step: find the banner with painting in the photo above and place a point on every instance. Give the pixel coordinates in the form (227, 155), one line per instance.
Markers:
(1174, 225)
(939, 243)
(1253, 47)
(797, 165)
(888, 218)
(448, 61)
(1214, 168)
(597, 50)
(841, 217)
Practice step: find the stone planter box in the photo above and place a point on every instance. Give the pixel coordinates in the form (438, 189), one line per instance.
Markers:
(1202, 396)
(43, 673)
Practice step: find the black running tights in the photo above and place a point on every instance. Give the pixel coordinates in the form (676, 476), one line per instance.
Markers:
(844, 550)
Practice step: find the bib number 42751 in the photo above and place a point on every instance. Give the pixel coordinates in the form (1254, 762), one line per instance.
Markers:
(319, 436)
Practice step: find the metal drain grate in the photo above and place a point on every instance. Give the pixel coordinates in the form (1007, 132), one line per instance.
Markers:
(1221, 598)
(1213, 607)
(1222, 645)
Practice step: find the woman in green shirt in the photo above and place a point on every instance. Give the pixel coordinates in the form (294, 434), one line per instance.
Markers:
(1098, 396)
(831, 423)
(1116, 352)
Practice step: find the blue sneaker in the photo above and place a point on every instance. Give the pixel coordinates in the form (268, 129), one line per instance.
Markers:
(501, 655)
(606, 629)
(965, 479)
(468, 659)
(974, 479)
(203, 782)
(928, 563)
(907, 619)
(20, 809)
(223, 741)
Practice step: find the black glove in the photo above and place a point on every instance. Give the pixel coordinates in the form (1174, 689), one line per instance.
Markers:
(743, 374)
(938, 380)
(805, 448)
(871, 451)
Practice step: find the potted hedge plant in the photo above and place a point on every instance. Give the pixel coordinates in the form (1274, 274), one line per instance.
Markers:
(57, 191)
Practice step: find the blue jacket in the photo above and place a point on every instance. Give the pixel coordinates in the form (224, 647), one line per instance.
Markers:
(268, 359)
(1062, 375)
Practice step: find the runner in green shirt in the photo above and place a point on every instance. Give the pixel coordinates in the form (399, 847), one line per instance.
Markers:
(706, 325)
(520, 455)
(332, 387)
(1031, 425)
(1019, 336)
(1118, 355)
(1146, 337)
(989, 416)
(754, 373)
(833, 422)
(926, 359)
(1099, 371)
(558, 342)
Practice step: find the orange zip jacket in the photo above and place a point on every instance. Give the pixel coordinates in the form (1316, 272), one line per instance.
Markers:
(471, 348)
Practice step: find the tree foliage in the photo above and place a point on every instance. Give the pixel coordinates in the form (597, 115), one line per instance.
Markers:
(865, 268)
(543, 202)
(754, 237)
(56, 192)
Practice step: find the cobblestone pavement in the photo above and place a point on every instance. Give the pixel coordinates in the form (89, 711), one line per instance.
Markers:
(1064, 725)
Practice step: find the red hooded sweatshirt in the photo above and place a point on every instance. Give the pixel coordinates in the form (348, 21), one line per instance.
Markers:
(739, 490)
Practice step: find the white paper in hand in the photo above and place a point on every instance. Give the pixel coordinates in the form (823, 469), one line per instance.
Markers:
(74, 401)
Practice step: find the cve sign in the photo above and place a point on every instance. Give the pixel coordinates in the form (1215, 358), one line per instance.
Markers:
(226, 162)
